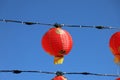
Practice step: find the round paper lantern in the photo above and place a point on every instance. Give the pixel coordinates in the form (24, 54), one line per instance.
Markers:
(118, 79)
(59, 78)
(57, 42)
(114, 45)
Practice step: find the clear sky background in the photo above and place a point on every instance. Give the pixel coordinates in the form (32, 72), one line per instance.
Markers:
(20, 45)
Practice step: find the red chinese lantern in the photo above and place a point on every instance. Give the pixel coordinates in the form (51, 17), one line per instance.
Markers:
(118, 79)
(59, 78)
(115, 46)
(57, 42)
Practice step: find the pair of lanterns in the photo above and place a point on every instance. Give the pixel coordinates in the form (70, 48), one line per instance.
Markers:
(58, 43)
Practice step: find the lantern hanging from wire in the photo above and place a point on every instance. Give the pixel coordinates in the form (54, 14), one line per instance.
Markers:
(58, 43)
(114, 45)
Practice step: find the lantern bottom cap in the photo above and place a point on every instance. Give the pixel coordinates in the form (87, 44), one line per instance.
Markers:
(117, 60)
(58, 60)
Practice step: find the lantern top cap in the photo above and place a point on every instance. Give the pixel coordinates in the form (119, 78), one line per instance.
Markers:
(59, 73)
(58, 25)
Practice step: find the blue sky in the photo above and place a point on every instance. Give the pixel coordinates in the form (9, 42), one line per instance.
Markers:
(21, 44)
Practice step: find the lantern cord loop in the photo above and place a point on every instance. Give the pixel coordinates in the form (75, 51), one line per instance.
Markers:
(60, 73)
(58, 25)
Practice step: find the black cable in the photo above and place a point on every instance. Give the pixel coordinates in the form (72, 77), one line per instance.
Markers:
(58, 25)
(27, 23)
(60, 73)
(96, 74)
